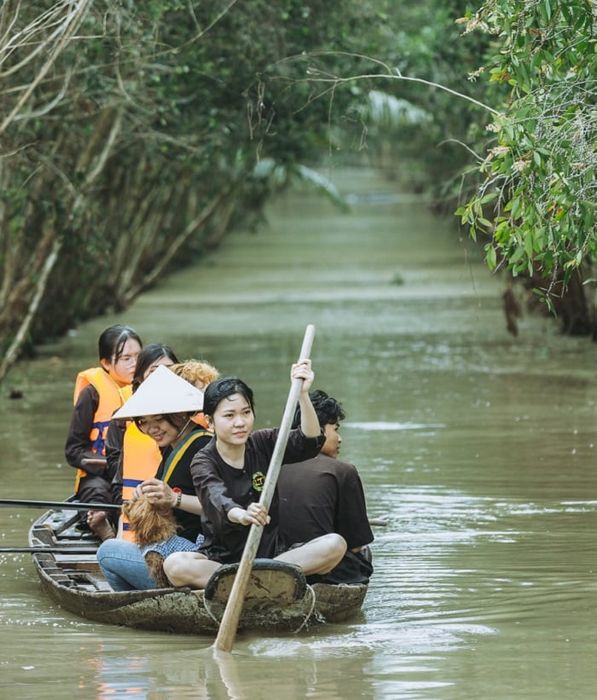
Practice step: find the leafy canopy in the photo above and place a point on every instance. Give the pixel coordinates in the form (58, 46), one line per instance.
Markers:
(537, 197)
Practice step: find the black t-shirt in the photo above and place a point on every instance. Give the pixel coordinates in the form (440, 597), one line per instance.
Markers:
(321, 496)
(221, 487)
(181, 478)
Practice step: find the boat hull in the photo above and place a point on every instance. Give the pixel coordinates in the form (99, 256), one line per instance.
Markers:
(277, 597)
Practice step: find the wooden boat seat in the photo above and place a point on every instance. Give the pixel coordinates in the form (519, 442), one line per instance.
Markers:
(270, 581)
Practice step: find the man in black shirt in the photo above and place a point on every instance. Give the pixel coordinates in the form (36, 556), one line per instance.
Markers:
(324, 495)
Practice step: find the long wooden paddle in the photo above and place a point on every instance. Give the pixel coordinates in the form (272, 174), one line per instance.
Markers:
(64, 505)
(234, 606)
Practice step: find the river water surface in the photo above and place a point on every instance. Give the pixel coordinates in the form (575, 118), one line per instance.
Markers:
(477, 447)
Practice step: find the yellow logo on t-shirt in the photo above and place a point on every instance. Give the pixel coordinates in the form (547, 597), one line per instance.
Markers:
(258, 481)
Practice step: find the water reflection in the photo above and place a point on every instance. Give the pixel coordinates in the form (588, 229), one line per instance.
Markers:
(260, 669)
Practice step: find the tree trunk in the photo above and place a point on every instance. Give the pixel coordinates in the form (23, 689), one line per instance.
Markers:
(11, 355)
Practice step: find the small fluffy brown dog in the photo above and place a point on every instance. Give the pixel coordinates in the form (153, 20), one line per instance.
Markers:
(151, 523)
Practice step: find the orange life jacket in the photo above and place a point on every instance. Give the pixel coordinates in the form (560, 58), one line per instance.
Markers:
(141, 457)
(111, 398)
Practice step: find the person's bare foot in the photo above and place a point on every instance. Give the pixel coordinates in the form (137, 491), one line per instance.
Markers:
(99, 525)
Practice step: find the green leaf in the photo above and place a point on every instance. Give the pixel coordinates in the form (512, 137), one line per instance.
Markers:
(490, 257)
(515, 208)
(517, 255)
(488, 197)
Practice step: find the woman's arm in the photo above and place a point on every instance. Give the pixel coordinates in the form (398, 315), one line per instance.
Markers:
(160, 493)
(78, 445)
(213, 495)
(190, 504)
(309, 421)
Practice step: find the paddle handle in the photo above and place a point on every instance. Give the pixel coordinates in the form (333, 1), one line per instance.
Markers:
(234, 606)
(273, 471)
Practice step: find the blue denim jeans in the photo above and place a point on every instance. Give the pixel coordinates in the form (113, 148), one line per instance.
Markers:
(124, 566)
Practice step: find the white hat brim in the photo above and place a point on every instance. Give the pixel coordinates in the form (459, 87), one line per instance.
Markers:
(161, 393)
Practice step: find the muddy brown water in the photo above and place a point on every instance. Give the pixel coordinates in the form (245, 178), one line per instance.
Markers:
(479, 448)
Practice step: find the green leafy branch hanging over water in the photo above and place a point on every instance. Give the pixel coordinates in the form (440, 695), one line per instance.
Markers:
(537, 196)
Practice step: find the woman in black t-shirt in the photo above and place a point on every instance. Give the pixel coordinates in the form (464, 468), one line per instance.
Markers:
(229, 475)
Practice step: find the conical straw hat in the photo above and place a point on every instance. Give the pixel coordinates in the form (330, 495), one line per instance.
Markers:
(162, 392)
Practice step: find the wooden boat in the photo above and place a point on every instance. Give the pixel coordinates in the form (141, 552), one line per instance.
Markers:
(278, 597)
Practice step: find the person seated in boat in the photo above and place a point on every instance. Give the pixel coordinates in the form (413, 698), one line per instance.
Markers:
(324, 495)
(99, 391)
(173, 473)
(200, 374)
(127, 448)
(229, 475)
(163, 407)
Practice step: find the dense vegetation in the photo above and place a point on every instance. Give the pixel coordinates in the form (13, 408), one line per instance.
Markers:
(130, 134)
(536, 200)
(134, 135)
